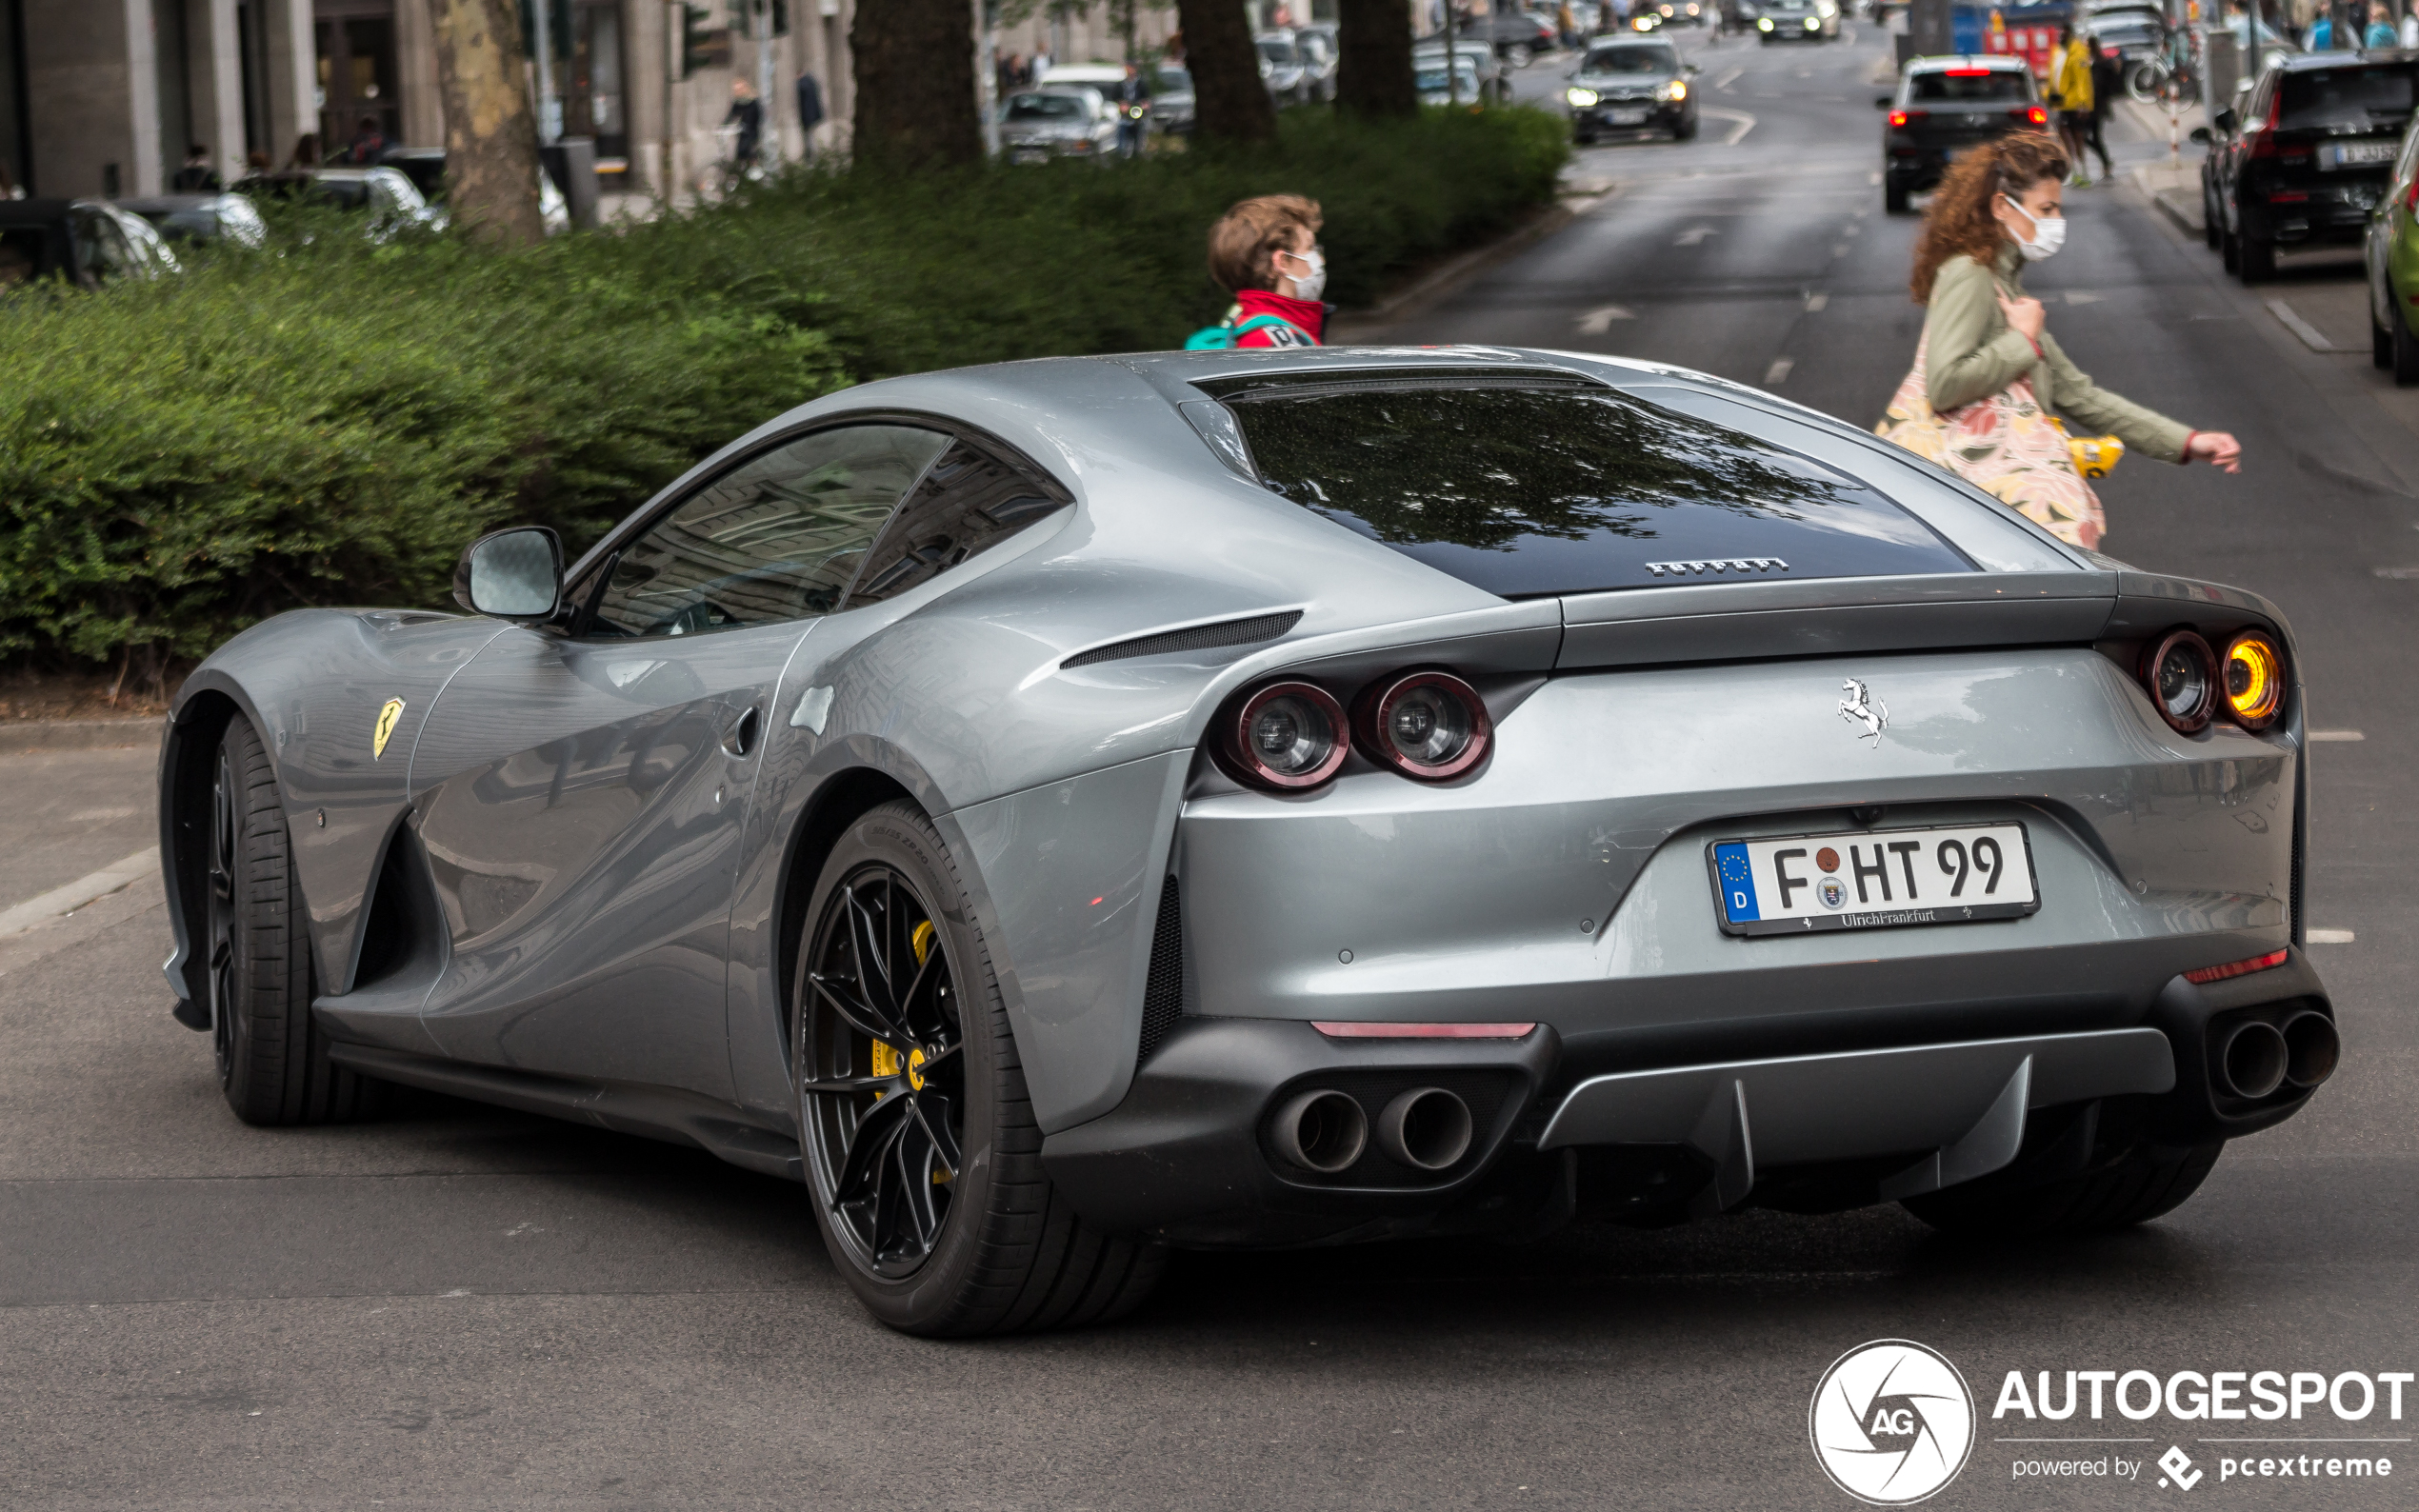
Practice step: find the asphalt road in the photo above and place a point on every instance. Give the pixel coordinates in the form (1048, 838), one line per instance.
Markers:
(464, 1307)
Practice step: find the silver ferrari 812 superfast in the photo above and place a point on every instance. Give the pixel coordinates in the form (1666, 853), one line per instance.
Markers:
(1062, 811)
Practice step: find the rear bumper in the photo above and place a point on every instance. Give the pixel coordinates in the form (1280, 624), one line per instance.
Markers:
(1189, 1156)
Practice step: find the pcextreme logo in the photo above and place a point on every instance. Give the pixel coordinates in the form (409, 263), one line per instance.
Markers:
(1891, 1423)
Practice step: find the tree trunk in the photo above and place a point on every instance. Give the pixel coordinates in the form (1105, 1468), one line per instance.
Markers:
(1374, 75)
(1229, 102)
(490, 137)
(915, 83)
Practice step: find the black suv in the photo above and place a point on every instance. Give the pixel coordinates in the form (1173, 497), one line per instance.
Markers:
(1945, 106)
(2308, 156)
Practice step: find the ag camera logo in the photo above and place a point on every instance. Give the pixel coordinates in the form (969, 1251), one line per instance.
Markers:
(1891, 1423)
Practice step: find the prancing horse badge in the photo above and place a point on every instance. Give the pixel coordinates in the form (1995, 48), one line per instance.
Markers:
(1861, 707)
(390, 711)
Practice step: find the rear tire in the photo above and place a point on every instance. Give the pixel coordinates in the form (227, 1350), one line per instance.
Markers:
(2230, 250)
(272, 1054)
(2213, 223)
(2255, 260)
(971, 1237)
(1686, 131)
(2405, 352)
(2381, 345)
(2146, 1183)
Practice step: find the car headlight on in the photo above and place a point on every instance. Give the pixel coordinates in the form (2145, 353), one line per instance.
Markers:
(1579, 98)
(2255, 677)
(1644, 23)
(1284, 737)
(1665, 9)
(1813, 24)
(1676, 90)
(1763, 23)
(2181, 673)
(1430, 725)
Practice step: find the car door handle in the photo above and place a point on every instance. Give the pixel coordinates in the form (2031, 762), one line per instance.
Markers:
(741, 738)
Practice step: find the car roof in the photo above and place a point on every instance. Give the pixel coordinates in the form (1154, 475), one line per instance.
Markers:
(2313, 62)
(1083, 73)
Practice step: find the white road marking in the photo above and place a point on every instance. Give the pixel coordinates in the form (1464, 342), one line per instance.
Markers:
(1596, 322)
(92, 814)
(1693, 235)
(1841, 250)
(2307, 332)
(1779, 372)
(2330, 937)
(1744, 123)
(2336, 734)
(1873, 177)
(2082, 296)
(59, 901)
(1725, 82)
(1815, 301)
(2398, 572)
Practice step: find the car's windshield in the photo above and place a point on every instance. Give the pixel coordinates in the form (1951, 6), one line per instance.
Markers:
(1631, 60)
(1568, 488)
(2369, 99)
(2126, 33)
(1432, 81)
(1986, 85)
(1175, 81)
(1277, 50)
(1045, 107)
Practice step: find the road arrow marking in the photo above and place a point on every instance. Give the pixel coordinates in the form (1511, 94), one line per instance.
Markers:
(1693, 235)
(1779, 372)
(1742, 123)
(1596, 322)
(1815, 301)
(2078, 296)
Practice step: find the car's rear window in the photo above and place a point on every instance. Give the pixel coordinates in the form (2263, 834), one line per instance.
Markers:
(1986, 85)
(1532, 490)
(2363, 99)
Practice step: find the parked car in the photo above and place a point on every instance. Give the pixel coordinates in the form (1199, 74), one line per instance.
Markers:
(2390, 250)
(1943, 107)
(1485, 65)
(1172, 99)
(87, 242)
(1515, 35)
(1320, 56)
(1435, 88)
(391, 202)
(2132, 36)
(1631, 83)
(1055, 811)
(1675, 13)
(425, 168)
(200, 217)
(1797, 20)
(1059, 120)
(2304, 158)
(1281, 67)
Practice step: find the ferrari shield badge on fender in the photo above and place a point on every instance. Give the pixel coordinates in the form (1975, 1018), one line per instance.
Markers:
(387, 713)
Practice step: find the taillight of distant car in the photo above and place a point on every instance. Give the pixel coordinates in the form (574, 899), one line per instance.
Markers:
(1899, 118)
(1430, 725)
(1284, 736)
(2181, 673)
(2255, 677)
(2031, 114)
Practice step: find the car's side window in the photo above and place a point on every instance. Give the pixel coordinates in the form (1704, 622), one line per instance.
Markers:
(969, 501)
(776, 538)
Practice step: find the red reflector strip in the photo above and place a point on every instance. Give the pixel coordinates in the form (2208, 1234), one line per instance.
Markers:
(1423, 1031)
(2237, 968)
(1968, 73)
(2288, 197)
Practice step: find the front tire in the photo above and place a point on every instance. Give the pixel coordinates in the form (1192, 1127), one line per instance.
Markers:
(923, 1158)
(2405, 352)
(1893, 197)
(272, 1055)
(2255, 260)
(2146, 1182)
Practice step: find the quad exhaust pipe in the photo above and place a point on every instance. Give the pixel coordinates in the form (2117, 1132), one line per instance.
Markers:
(2311, 1048)
(1323, 1130)
(2256, 1058)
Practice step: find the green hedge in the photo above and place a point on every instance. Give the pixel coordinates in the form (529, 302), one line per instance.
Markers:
(328, 421)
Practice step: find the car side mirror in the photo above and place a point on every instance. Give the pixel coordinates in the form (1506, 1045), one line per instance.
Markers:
(1883, 101)
(2224, 120)
(515, 574)
(1696, 67)
(2201, 133)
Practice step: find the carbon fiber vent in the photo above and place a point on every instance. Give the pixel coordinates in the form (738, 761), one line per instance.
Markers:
(1199, 638)
(1163, 991)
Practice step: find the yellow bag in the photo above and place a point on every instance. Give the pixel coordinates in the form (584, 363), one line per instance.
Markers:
(2093, 455)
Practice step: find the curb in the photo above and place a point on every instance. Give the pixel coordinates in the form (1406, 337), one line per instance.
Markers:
(2177, 203)
(77, 734)
(1457, 272)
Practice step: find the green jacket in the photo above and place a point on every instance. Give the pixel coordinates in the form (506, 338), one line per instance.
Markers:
(1973, 354)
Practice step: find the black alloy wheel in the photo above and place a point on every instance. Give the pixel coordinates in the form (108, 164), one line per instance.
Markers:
(923, 1158)
(886, 1093)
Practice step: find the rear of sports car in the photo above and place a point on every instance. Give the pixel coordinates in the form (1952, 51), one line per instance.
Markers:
(1809, 833)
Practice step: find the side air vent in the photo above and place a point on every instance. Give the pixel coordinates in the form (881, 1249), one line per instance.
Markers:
(1163, 992)
(1199, 638)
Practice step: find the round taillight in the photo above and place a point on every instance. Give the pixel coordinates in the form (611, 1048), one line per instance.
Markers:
(2181, 673)
(2255, 677)
(1285, 736)
(1432, 725)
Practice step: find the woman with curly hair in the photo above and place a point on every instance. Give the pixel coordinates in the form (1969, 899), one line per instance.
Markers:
(1990, 380)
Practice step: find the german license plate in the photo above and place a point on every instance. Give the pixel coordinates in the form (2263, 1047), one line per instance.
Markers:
(1030, 154)
(1872, 879)
(2357, 154)
(1625, 117)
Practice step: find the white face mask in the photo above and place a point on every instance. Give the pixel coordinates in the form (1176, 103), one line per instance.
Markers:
(2047, 235)
(1312, 284)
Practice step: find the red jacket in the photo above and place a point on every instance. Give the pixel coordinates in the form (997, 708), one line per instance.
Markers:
(1307, 317)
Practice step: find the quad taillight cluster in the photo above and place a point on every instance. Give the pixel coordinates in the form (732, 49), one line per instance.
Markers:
(2191, 684)
(1290, 735)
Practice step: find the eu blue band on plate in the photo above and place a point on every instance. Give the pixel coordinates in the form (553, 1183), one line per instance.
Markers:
(1738, 883)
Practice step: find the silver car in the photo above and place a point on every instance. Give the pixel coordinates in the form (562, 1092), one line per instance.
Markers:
(1059, 120)
(1282, 67)
(1060, 811)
